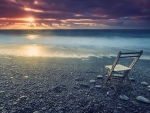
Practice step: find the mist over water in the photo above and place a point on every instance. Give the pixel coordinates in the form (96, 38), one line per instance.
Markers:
(73, 43)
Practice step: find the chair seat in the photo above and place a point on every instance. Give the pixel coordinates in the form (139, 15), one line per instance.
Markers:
(118, 67)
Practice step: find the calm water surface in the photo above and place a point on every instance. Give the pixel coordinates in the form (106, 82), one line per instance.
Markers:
(73, 43)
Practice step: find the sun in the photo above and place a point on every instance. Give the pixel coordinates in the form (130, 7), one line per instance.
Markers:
(30, 19)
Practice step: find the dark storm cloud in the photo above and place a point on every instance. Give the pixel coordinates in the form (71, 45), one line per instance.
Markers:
(123, 11)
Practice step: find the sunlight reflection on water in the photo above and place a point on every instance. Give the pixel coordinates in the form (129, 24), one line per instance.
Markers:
(32, 37)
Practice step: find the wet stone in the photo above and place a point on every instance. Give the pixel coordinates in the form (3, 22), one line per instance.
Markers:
(110, 93)
(124, 97)
(1, 92)
(142, 99)
(22, 98)
(132, 79)
(148, 86)
(43, 108)
(99, 76)
(59, 89)
(58, 108)
(36, 112)
(98, 86)
(144, 83)
(84, 86)
(134, 103)
(116, 111)
(79, 79)
(26, 110)
(1, 108)
(92, 81)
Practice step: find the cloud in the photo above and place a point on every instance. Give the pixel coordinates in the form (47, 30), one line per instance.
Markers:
(110, 13)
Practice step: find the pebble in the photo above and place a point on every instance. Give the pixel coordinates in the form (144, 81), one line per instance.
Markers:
(99, 76)
(124, 97)
(1, 108)
(98, 86)
(110, 93)
(134, 103)
(36, 112)
(92, 81)
(79, 79)
(58, 108)
(84, 86)
(106, 75)
(142, 99)
(43, 108)
(132, 79)
(2, 92)
(26, 76)
(144, 83)
(148, 86)
(59, 89)
(116, 111)
(22, 98)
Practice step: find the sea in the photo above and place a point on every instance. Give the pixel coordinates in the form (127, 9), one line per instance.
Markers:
(74, 43)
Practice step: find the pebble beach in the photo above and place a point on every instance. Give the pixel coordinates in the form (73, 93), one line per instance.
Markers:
(70, 85)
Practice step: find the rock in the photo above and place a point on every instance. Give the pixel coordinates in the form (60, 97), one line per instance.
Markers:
(59, 89)
(110, 93)
(142, 99)
(119, 107)
(84, 86)
(134, 103)
(1, 108)
(148, 89)
(116, 111)
(26, 110)
(106, 75)
(92, 81)
(26, 76)
(22, 98)
(58, 108)
(36, 112)
(43, 108)
(148, 86)
(124, 97)
(1, 92)
(98, 86)
(132, 79)
(144, 83)
(99, 76)
(79, 79)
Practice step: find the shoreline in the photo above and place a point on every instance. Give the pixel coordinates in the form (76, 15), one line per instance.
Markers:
(45, 85)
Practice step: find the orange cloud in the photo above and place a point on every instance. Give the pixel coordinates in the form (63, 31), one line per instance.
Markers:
(33, 10)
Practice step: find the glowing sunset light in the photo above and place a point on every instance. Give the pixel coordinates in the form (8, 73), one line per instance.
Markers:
(35, 2)
(30, 19)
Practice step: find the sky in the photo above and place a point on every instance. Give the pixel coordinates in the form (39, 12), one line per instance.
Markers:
(74, 14)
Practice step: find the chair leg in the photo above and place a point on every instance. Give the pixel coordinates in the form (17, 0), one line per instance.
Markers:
(112, 82)
(105, 82)
(109, 75)
(125, 74)
(130, 82)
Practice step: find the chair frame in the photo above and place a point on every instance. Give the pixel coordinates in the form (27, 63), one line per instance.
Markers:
(136, 56)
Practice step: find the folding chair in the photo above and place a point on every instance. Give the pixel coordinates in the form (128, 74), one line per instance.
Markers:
(113, 69)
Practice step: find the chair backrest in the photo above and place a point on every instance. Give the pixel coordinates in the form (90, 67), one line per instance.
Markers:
(135, 55)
